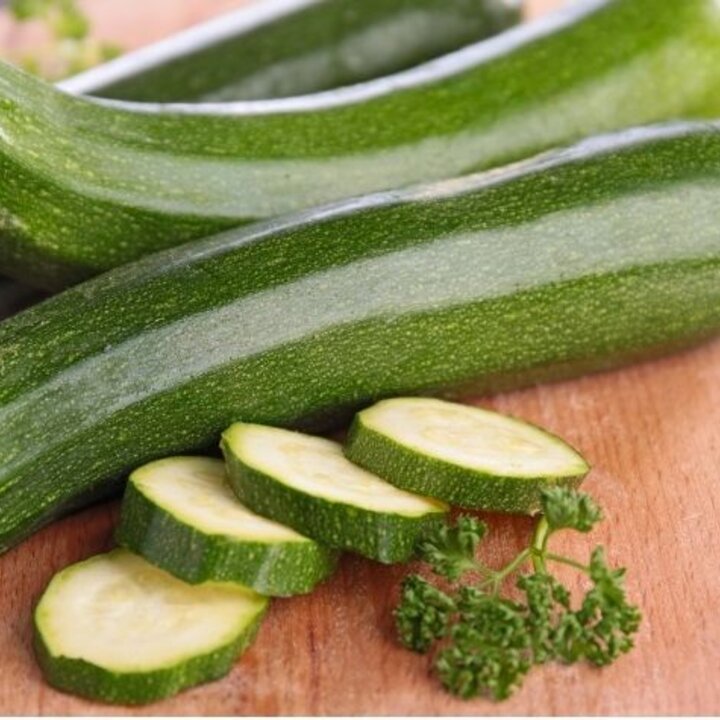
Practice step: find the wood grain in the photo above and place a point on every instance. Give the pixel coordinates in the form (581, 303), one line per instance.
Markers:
(651, 433)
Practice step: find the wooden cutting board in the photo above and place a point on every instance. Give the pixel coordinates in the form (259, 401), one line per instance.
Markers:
(652, 433)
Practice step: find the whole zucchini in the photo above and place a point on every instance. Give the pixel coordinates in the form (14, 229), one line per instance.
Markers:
(290, 47)
(92, 184)
(575, 261)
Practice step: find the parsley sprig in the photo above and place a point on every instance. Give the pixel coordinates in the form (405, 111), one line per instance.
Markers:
(486, 643)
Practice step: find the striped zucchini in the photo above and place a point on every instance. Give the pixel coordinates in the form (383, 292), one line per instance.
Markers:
(278, 48)
(575, 261)
(181, 515)
(289, 47)
(92, 184)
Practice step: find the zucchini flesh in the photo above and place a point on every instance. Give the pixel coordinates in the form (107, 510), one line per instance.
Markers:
(574, 262)
(308, 484)
(291, 47)
(463, 455)
(180, 514)
(127, 179)
(117, 629)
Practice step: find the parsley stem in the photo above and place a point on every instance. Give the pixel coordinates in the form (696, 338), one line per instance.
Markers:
(538, 546)
(514, 564)
(540, 554)
(567, 561)
(474, 565)
(497, 576)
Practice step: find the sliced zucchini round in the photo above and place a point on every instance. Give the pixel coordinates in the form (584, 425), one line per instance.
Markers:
(464, 455)
(116, 628)
(308, 484)
(181, 515)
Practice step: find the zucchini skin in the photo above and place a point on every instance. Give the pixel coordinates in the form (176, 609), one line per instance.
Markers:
(262, 52)
(293, 47)
(386, 537)
(275, 569)
(574, 262)
(425, 475)
(128, 179)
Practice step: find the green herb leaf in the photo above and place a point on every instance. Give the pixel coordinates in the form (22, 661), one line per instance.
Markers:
(547, 600)
(609, 620)
(488, 654)
(450, 550)
(423, 614)
(487, 642)
(567, 508)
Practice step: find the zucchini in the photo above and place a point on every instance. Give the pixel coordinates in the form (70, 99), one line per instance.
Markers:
(463, 455)
(180, 514)
(94, 184)
(577, 261)
(291, 47)
(307, 483)
(117, 629)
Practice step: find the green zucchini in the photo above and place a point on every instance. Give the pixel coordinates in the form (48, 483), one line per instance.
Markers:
(463, 455)
(180, 514)
(93, 184)
(117, 629)
(291, 47)
(573, 262)
(307, 483)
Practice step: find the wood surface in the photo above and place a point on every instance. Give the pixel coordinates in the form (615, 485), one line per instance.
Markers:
(652, 434)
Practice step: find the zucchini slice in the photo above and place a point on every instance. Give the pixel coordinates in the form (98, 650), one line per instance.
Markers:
(464, 455)
(308, 484)
(117, 629)
(181, 515)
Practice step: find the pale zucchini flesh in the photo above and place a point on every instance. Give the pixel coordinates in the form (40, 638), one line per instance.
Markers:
(180, 514)
(117, 629)
(307, 483)
(466, 456)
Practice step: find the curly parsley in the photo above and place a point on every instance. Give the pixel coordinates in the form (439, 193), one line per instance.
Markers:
(486, 643)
